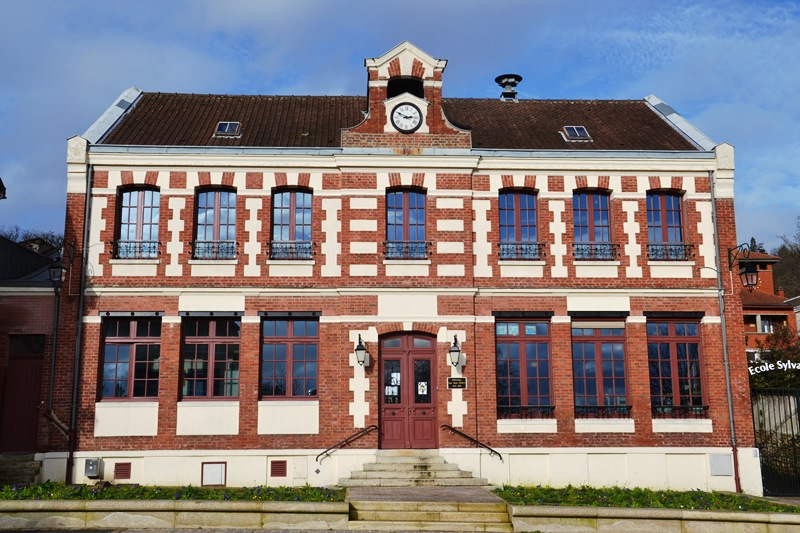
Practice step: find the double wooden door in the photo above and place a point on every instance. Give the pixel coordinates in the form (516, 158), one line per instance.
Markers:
(408, 415)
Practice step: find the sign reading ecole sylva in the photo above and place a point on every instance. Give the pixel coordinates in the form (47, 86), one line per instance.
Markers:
(777, 365)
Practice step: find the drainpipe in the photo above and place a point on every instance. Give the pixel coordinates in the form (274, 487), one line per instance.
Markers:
(723, 327)
(76, 371)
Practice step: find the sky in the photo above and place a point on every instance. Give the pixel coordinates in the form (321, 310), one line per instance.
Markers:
(732, 68)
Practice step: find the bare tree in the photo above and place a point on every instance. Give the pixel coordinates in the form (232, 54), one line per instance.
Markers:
(787, 271)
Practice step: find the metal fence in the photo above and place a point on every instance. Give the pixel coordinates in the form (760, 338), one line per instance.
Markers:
(777, 434)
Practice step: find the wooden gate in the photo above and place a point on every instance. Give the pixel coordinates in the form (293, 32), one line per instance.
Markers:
(776, 421)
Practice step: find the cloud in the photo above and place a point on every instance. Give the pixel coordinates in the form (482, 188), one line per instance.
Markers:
(729, 66)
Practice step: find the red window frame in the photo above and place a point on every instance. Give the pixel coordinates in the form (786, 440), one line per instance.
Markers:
(665, 217)
(210, 357)
(522, 352)
(130, 358)
(675, 365)
(599, 367)
(405, 224)
(138, 222)
(592, 216)
(215, 224)
(292, 211)
(289, 357)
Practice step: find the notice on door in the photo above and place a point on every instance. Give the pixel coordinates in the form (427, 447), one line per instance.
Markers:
(422, 388)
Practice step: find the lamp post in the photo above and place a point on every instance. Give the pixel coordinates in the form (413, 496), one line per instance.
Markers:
(747, 273)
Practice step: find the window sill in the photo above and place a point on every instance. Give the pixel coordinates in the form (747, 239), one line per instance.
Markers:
(129, 400)
(309, 262)
(407, 262)
(537, 425)
(213, 261)
(682, 425)
(134, 261)
(596, 262)
(670, 262)
(520, 262)
(605, 425)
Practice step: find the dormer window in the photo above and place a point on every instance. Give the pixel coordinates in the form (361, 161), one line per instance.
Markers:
(576, 133)
(228, 129)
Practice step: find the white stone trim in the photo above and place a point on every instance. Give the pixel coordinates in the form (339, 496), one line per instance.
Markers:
(288, 417)
(208, 417)
(126, 419)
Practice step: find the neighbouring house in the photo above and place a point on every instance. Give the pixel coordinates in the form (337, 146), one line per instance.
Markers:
(764, 307)
(27, 303)
(258, 278)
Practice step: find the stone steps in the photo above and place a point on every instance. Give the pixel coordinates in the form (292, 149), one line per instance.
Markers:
(19, 469)
(410, 468)
(429, 516)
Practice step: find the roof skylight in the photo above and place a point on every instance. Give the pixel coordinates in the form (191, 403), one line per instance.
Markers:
(577, 133)
(227, 129)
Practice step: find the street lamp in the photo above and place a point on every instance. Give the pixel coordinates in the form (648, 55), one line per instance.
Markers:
(747, 273)
(455, 352)
(361, 351)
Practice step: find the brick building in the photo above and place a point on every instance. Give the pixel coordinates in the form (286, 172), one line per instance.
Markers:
(237, 250)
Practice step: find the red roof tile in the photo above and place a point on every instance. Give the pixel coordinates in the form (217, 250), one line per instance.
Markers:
(159, 119)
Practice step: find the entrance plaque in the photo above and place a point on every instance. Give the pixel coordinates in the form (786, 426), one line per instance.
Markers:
(456, 383)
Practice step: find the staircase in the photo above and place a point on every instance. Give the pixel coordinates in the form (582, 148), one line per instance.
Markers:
(429, 516)
(410, 468)
(19, 469)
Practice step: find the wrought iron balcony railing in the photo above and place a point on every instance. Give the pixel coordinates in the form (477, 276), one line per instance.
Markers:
(525, 411)
(136, 249)
(665, 251)
(214, 249)
(292, 250)
(679, 411)
(603, 411)
(521, 250)
(595, 251)
(407, 249)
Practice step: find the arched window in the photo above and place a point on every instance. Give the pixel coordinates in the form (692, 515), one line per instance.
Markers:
(665, 226)
(405, 224)
(518, 229)
(215, 229)
(137, 231)
(291, 224)
(592, 226)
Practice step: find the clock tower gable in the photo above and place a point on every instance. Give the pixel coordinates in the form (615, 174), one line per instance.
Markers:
(403, 83)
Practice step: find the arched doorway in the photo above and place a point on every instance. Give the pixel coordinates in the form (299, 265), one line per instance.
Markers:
(408, 417)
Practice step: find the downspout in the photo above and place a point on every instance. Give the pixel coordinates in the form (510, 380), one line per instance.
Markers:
(53, 351)
(726, 362)
(76, 372)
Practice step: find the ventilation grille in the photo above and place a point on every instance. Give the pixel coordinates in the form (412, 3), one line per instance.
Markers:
(277, 469)
(122, 470)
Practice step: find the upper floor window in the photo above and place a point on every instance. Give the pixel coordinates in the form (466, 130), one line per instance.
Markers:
(291, 225)
(215, 229)
(592, 226)
(289, 353)
(598, 367)
(210, 357)
(676, 380)
(522, 351)
(137, 231)
(665, 227)
(405, 225)
(518, 235)
(131, 357)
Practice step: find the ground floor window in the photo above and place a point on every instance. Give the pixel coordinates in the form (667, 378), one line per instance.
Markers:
(676, 384)
(523, 369)
(130, 357)
(210, 357)
(289, 357)
(598, 366)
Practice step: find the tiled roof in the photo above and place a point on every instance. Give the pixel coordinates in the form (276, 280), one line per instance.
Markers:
(762, 299)
(160, 119)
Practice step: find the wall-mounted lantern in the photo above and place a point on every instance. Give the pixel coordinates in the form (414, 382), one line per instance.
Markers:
(361, 351)
(455, 352)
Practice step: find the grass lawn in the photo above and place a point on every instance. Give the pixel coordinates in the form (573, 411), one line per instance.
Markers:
(638, 498)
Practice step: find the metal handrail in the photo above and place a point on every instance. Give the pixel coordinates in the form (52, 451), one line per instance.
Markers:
(348, 440)
(473, 440)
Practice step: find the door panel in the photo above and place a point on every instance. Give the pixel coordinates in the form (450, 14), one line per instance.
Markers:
(21, 404)
(408, 392)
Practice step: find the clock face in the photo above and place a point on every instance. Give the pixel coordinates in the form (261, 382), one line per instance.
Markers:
(406, 118)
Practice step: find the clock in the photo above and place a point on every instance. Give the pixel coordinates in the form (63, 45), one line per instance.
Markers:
(406, 118)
